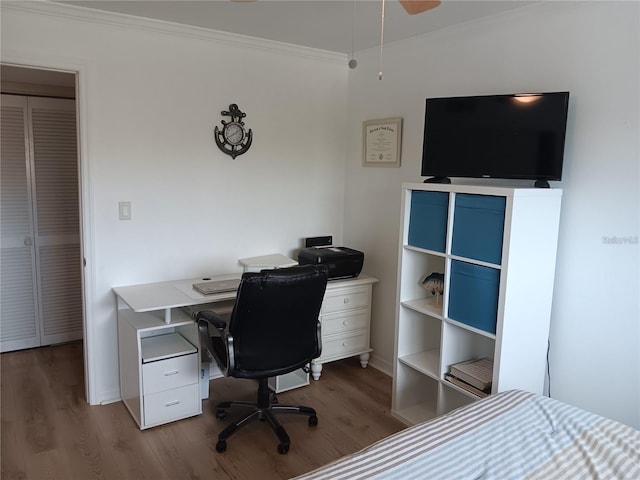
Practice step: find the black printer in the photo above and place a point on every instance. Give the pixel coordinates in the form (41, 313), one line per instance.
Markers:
(342, 262)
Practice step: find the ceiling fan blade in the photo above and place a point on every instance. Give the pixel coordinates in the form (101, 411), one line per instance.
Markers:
(414, 7)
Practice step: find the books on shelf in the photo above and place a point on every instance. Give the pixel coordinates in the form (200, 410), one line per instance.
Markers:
(464, 385)
(477, 373)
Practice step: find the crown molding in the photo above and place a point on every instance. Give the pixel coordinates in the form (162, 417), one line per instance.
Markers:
(83, 14)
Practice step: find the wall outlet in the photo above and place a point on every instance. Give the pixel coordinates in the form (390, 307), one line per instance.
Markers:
(124, 209)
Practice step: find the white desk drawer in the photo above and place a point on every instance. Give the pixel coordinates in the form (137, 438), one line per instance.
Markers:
(170, 373)
(345, 298)
(345, 322)
(344, 345)
(171, 405)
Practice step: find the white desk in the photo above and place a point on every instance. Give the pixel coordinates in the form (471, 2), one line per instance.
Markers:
(166, 296)
(157, 309)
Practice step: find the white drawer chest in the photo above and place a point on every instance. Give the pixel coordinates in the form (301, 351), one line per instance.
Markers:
(345, 317)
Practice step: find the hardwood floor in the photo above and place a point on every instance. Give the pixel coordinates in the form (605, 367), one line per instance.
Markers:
(48, 430)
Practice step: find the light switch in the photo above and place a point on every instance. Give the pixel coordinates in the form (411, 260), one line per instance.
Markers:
(125, 210)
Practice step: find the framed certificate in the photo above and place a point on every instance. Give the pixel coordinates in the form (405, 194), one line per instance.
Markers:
(382, 142)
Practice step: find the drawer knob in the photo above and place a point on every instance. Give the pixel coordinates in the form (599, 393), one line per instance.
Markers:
(171, 372)
(346, 300)
(171, 404)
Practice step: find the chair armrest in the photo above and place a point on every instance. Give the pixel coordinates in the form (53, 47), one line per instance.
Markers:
(225, 340)
(213, 318)
(319, 337)
(206, 345)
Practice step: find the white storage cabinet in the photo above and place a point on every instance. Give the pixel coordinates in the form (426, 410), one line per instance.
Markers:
(496, 247)
(159, 366)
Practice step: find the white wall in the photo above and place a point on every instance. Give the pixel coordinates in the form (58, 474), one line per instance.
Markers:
(590, 49)
(150, 96)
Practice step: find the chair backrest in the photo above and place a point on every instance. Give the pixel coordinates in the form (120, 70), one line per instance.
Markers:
(274, 322)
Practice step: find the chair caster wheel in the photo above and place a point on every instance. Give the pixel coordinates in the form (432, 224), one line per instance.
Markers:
(220, 414)
(283, 448)
(221, 446)
(313, 421)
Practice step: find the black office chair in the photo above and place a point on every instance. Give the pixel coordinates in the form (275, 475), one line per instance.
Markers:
(273, 330)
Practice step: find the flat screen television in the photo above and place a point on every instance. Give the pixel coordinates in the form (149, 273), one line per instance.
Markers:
(516, 136)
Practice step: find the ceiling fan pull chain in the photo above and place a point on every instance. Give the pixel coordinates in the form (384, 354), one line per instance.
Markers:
(353, 63)
(381, 39)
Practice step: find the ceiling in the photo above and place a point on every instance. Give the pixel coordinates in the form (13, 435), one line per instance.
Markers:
(322, 24)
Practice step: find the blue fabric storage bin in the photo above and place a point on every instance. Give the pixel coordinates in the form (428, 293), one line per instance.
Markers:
(478, 226)
(428, 220)
(473, 295)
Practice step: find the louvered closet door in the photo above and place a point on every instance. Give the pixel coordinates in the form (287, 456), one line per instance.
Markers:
(57, 226)
(52, 182)
(19, 319)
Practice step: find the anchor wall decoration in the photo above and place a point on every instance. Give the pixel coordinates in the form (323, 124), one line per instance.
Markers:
(233, 139)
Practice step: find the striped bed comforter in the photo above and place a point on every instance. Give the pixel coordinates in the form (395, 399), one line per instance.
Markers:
(512, 435)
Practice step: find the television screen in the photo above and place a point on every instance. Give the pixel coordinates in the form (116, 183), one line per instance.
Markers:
(518, 136)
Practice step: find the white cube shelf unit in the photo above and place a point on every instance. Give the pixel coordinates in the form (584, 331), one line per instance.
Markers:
(496, 247)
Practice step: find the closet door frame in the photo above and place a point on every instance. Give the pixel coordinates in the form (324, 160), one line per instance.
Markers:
(78, 67)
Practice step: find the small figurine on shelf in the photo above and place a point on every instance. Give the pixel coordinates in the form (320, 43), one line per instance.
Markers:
(434, 283)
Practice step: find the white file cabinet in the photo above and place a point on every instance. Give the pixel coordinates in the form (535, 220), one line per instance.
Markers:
(159, 374)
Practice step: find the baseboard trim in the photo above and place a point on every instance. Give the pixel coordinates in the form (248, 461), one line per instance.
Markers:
(381, 364)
